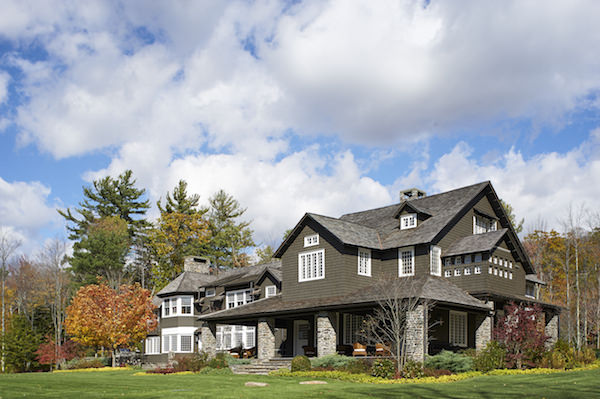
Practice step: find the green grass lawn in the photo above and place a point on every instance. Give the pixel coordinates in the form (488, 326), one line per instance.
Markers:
(123, 384)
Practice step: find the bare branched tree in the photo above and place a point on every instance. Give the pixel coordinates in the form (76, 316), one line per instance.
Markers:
(8, 246)
(389, 323)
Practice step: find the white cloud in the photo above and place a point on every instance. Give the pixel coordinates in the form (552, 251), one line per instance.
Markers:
(24, 209)
(4, 80)
(539, 188)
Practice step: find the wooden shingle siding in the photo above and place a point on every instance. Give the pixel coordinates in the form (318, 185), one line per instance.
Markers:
(176, 321)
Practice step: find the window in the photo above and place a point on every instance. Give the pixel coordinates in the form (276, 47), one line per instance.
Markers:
(477, 270)
(448, 273)
(448, 262)
(510, 264)
(152, 345)
(270, 291)
(408, 221)
(178, 339)
(495, 271)
(467, 271)
(435, 260)
(186, 343)
(490, 270)
(477, 258)
(457, 272)
(510, 276)
(495, 260)
(490, 258)
(467, 259)
(458, 328)
(406, 262)
(210, 292)
(311, 265)
(169, 343)
(505, 274)
(309, 241)
(529, 290)
(364, 262)
(229, 336)
(166, 307)
(239, 298)
(482, 224)
(352, 326)
(186, 305)
(458, 260)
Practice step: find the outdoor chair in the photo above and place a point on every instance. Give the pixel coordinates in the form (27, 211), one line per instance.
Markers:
(309, 351)
(382, 350)
(359, 349)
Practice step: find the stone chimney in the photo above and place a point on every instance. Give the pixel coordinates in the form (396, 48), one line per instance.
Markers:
(197, 264)
(411, 194)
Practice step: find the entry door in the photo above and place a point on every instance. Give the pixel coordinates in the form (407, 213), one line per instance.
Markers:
(301, 333)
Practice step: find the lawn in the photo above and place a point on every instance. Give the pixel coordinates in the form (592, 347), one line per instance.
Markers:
(123, 384)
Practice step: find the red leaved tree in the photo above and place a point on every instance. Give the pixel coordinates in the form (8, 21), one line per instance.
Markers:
(100, 315)
(521, 332)
(53, 354)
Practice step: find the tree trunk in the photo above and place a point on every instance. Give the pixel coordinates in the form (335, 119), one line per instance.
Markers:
(114, 357)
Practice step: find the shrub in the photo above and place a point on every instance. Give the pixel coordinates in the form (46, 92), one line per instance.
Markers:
(357, 366)
(412, 369)
(192, 362)
(301, 363)
(161, 370)
(383, 368)
(215, 371)
(334, 361)
(218, 362)
(447, 360)
(490, 358)
(435, 372)
(87, 363)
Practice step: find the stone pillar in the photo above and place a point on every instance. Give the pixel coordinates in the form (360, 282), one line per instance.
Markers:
(326, 334)
(209, 339)
(416, 333)
(485, 324)
(551, 329)
(265, 338)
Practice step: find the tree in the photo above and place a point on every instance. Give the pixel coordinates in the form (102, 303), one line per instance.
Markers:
(54, 353)
(229, 237)
(57, 291)
(181, 230)
(22, 341)
(521, 332)
(100, 315)
(517, 225)
(265, 255)
(8, 246)
(102, 252)
(389, 322)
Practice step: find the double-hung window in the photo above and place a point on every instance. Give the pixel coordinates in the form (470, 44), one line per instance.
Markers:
(186, 305)
(408, 221)
(435, 261)
(178, 306)
(406, 261)
(353, 324)
(270, 291)
(482, 224)
(238, 298)
(458, 328)
(152, 345)
(311, 265)
(364, 262)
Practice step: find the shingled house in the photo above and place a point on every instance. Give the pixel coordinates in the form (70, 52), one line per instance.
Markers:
(202, 289)
(457, 249)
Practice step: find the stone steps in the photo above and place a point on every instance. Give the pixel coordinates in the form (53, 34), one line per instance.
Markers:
(261, 367)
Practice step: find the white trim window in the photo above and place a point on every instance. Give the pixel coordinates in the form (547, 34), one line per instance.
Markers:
(270, 290)
(467, 271)
(311, 265)
(448, 262)
(467, 259)
(178, 339)
(408, 221)
(238, 298)
(169, 343)
(457, 328)
(490, 270)
(152, 345)
(435, 259)
(510, 276)
(353, 324)
(458, 260)
(311, 240)
(232, 336)
(186, 305)
(510, 264)
(406, 261)
(482, 224)
(178, 306)
(505, 274)
(457, 272)
(477, 258)
(447, 273)
(364, 262)
(477, 270)
(210, 292)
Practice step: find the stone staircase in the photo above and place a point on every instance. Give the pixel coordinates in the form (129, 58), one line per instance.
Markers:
(261, 367)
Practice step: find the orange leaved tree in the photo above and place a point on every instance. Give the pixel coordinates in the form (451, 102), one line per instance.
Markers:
(100, 315)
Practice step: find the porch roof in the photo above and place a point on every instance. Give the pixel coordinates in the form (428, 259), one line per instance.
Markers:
(426, 287)
(476, 243)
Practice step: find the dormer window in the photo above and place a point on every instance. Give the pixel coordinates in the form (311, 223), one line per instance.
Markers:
(311, 240)
(408, 221)
(483, 224)
(210, 292)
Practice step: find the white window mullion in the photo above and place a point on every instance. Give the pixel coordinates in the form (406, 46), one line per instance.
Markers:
(311, 265)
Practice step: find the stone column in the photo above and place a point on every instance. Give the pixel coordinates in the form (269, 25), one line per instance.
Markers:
(416, 333)
(326, 334)
(483, 333)
(265, 338)
(209, 338)
(551, 329)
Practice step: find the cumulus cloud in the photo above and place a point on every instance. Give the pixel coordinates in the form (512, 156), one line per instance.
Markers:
(25, 210)
(4, 80)
(539, 188)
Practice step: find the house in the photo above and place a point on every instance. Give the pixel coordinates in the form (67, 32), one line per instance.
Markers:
(202, 289)
(456, 248)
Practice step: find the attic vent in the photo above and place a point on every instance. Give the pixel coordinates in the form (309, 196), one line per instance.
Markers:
(411, 194)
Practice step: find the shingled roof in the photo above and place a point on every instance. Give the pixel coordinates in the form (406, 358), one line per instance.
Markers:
(475, 243)
(426, 287)
(186, 282)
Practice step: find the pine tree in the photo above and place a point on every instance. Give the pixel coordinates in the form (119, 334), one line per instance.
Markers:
(181, 202)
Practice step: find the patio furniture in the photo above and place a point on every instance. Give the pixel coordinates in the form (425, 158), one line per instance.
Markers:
(250, 352)
(382, 350)
(345, 350)
(359, 349)
(309, 351)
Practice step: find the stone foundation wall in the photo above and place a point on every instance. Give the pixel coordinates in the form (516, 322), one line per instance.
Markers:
(265, 339)
(209, 339)
(483, 333)
(326, 334)
(416, 334)
(551, 330)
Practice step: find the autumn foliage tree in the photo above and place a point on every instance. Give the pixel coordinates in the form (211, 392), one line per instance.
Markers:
(521, 332)
(53, 353)
(100, 315)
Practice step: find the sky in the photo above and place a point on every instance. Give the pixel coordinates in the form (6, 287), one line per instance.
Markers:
(298, 106)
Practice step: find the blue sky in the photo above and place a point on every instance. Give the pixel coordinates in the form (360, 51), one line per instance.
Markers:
(328, 107)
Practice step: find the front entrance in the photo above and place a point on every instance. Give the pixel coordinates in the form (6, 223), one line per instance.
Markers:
(301, 336)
